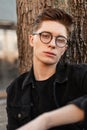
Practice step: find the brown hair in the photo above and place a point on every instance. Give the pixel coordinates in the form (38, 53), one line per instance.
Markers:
(54, 14)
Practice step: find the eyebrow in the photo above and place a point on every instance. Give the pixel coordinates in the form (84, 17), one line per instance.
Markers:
(34, 33)
(62, 36)
(57, 35)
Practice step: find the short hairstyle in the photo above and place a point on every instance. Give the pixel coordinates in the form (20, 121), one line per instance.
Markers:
(54, 14)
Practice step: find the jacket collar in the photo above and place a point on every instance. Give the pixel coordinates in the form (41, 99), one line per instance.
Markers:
(29, 78)
(61, 75)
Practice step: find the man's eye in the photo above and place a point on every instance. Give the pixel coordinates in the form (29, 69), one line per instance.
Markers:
(45, 36)
(61, 40)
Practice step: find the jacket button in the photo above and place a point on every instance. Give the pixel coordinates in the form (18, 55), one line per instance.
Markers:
(32, 104)
(19, 115)
(33, 86)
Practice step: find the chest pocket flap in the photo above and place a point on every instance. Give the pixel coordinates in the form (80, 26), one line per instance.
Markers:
(19, 112)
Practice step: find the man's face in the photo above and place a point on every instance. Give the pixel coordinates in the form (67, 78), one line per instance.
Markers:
(48, 53)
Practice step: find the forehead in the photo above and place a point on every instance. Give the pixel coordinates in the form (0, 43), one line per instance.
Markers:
(53, 27)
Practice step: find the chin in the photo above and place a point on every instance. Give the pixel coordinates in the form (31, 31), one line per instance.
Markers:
(50, 63)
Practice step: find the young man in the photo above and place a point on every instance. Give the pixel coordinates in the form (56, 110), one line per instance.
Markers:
(54, 91)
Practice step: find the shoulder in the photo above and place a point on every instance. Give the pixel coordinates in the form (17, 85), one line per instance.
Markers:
(74, 70)
(78, 68)
(17, 83)
(73, 67)
(77, 72)
(14, 90)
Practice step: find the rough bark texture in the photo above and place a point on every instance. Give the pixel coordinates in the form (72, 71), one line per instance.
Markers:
(78, 50)
(27, 10)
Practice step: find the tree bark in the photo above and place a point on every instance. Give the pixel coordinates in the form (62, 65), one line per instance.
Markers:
(27, 10)
(78, 50)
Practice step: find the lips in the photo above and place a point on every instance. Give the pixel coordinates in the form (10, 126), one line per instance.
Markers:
(50, 53)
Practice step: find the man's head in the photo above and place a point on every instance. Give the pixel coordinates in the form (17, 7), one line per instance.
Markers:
(54, 14)
(50, 34)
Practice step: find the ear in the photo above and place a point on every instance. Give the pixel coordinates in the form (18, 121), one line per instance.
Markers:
(66, 47)
(31, 40)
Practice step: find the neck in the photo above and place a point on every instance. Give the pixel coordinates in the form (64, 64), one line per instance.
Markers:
(43, 71)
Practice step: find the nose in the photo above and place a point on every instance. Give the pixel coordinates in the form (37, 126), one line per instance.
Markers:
(52, 42)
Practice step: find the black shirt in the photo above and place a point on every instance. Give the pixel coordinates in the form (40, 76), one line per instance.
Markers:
(46, 99)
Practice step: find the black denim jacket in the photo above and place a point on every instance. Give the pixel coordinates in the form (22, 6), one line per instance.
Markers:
(70, 86)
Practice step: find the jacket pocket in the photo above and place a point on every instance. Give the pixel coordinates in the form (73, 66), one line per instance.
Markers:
(18, 112)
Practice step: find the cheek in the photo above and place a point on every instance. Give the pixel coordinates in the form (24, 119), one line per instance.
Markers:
(36, 48)
(36, 42)
(61, 51)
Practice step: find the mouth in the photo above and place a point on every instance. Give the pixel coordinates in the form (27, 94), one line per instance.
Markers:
(50, 53)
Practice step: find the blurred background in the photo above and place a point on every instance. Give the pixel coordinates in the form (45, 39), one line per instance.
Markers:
(8, 52)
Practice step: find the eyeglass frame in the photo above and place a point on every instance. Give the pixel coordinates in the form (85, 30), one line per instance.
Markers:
(60, 36)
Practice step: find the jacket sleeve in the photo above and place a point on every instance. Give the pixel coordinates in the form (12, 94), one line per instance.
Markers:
(16, 112)
(81, 102)
(12, 122)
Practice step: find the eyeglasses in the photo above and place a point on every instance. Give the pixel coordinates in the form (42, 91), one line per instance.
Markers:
(46, 38)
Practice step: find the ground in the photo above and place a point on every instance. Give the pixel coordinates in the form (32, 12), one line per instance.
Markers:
(3, 116)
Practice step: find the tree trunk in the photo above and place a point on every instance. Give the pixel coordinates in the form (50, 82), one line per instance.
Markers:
(78, 50)
(27, 10)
